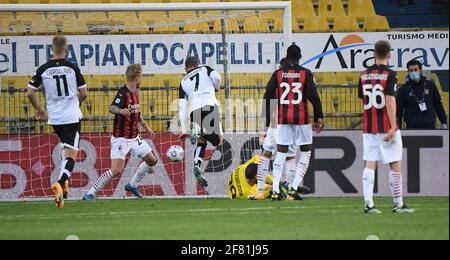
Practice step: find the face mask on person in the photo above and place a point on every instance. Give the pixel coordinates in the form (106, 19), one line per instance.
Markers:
(414, 75)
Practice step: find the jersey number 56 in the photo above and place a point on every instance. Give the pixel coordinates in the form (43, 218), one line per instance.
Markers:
(374, 96)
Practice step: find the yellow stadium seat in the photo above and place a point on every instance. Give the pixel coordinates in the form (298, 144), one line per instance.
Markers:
(6, 17)
(302, 8)
(376, 23)
(316, 24)
(361, 8)
(401, 75)
(92, 17)
(348, 78)
(266, 22)
(436, 80)
(330, 78)
(331, 8)
(92, 1)
(65, 1)
(345, 24)
(202, 27)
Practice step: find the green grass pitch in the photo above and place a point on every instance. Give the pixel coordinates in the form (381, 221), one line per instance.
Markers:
(184, 219)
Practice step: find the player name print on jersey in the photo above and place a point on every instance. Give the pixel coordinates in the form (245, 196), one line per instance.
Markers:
(61, 81)
(376, 83)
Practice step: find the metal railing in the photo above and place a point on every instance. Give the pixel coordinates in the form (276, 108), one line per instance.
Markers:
(341, 105)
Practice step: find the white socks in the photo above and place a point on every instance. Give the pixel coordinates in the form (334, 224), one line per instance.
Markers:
(140, 174)
(101, 182)
(263, 169)
(290, 169)
(368, 184)
(302, 168)
(278, 165)
(395, 181)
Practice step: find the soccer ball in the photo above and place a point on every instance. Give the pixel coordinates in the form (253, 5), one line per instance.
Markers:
(175, 153)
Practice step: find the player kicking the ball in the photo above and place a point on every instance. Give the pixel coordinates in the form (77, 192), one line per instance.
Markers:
(200, 85)
(65, 89)
(126, 137)
(382, 139)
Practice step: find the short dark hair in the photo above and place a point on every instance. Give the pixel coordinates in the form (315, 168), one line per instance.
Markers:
(294, 53)
(382, 49)
(191, 62)
(251, 171)
(414, 62)
(284, 63)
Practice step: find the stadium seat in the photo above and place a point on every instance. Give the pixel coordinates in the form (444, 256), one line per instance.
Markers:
(302, 8)
(316, 24)
(376, 23)
(360, 8)
(329, 78)
(345, 24)
(267, 22)
(436, 80)
(331, 8)
(347, 78)
(401, 75)
(202, 27)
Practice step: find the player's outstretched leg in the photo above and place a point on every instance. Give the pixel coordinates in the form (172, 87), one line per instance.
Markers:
(117, 166)
(149, 161)
(98, 185)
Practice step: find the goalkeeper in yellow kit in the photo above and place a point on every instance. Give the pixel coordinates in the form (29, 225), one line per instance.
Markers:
(243, 183)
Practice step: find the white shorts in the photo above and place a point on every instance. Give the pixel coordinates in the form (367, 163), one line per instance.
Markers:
(294, 135)
(121, 146)
(270, 143)
(375, 149)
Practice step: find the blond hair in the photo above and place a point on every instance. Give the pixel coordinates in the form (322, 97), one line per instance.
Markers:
(133, 71)
(59, 44)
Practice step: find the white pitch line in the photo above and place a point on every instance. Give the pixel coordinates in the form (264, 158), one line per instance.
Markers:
(195, 212)
(157, 212)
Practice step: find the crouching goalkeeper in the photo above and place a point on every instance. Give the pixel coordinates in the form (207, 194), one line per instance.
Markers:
(243, 183)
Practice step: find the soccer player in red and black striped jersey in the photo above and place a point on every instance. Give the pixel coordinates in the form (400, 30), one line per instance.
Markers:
(292, 87)
(381, 138)
(126, 137)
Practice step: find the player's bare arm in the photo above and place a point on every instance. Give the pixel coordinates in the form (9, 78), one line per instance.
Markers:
(119, 111)
(314, 98)
(391, 107)
(83, 94)
(147, 129)
(40, 113)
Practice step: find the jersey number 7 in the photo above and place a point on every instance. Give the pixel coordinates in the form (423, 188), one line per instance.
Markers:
(197, 79)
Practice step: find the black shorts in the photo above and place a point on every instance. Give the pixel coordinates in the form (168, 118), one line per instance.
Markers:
(69, 135)
(208, 118)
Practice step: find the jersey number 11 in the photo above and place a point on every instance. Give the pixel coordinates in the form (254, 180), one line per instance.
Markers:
(58, 84)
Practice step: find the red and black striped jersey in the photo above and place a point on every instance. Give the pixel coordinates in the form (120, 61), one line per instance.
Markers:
(292, 87)
(127, 126)
(375, 84)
